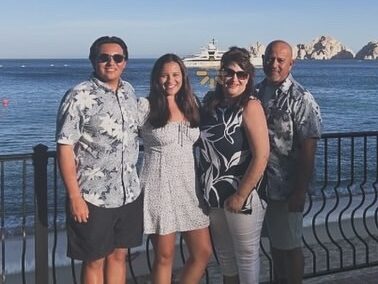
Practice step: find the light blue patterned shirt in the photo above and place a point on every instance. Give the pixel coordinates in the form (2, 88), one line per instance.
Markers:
(292, 116)
(102, 126)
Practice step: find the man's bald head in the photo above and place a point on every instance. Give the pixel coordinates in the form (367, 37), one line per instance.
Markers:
(278, 61)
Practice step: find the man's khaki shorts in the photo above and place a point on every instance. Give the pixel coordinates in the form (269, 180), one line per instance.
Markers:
(284, 227)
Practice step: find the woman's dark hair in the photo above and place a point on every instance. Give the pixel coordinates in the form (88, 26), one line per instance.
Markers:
(185, 99)
(241, 57)
(95, 47)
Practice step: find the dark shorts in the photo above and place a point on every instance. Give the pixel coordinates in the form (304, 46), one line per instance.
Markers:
(106, 230)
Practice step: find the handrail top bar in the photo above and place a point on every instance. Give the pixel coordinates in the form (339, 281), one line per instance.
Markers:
(11, 157)
(349, 134)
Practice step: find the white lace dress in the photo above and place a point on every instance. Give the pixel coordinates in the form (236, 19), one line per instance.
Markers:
(172, 199)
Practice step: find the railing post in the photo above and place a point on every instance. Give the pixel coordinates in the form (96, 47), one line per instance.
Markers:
(40, 159)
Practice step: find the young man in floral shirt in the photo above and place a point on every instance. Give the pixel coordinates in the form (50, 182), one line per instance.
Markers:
(97, 150)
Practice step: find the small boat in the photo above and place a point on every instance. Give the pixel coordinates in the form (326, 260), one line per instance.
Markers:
(210, 57)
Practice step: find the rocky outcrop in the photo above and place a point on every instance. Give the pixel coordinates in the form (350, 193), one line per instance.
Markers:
(301, 51)
(369, 51)
(256, 50)
(295, 51)
(324, 47)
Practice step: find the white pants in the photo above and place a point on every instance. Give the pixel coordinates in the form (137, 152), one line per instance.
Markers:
(236, 239)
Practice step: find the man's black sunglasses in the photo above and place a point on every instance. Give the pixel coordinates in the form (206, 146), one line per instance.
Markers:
(103, 57)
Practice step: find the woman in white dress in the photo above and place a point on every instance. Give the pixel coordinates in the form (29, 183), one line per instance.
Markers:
(172, 201)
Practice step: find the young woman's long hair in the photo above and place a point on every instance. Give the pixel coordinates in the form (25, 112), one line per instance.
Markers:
(241, 57)
(185, 99)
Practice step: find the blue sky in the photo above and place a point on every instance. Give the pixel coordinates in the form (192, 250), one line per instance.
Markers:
(66, 28)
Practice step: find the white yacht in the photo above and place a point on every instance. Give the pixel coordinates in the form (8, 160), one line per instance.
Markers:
(210, 56)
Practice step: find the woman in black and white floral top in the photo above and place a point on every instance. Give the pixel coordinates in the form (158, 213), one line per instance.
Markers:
(233, 156)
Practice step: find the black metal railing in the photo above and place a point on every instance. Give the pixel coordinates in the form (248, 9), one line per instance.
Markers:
(340, 218)
(342, 212)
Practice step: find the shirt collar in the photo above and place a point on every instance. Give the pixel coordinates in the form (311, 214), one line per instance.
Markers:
(284, 87)
(103, 85)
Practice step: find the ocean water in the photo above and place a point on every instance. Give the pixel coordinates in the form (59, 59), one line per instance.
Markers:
(31, 90)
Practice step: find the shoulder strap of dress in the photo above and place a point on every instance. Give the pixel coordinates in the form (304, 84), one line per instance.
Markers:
(197, 101)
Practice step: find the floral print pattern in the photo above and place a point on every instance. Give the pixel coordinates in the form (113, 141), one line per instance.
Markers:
(292, 115)
(224, 155)
(102, 126)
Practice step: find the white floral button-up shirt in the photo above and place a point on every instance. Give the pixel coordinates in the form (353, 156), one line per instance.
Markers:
(102, 126)
(292, 116)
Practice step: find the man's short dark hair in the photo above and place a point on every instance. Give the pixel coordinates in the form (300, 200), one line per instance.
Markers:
(106, 39)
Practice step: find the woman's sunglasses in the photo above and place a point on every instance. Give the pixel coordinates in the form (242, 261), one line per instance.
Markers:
(229, 73)
(103, 57)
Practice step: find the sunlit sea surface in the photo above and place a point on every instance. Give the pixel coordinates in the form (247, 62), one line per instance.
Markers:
(31, 90)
